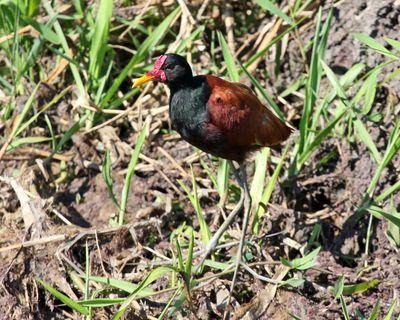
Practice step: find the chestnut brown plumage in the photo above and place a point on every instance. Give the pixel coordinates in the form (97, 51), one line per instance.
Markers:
(222, 118)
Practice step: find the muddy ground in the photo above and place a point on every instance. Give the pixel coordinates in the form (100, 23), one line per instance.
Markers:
(71, 208)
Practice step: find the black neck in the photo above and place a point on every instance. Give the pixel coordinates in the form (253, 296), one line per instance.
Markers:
(181, 84)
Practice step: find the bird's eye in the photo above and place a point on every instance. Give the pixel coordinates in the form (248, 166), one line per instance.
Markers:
(171, 67)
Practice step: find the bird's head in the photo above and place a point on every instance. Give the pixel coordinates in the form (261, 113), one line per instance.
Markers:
(169, 68)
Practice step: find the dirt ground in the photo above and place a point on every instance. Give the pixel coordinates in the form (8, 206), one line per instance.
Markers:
(327, 195)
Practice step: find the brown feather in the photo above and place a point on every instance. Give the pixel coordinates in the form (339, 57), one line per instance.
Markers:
(240, 115)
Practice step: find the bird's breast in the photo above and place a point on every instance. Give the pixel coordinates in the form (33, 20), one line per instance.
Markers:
(190, 128)
(189, 115)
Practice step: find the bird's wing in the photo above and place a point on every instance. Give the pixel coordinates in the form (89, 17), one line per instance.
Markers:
(239, 114)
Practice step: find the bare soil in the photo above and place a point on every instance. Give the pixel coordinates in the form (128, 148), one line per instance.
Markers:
(326, 194)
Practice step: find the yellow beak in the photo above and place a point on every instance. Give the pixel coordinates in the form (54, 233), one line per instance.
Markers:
(143, 80)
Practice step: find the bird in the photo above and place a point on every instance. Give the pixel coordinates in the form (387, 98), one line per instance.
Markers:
(225, 119)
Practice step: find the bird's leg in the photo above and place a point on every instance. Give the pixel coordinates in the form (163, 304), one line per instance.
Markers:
(228, 221)
(247, 206)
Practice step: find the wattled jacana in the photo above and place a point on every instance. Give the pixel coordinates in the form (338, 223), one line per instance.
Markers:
(222, 118)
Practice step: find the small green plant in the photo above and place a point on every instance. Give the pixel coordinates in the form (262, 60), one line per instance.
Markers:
(303, 263)
(129, 174)
(194, 199)
(340, 290)
(393, 229)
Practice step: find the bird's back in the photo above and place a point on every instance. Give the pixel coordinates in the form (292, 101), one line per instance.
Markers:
(236, 110)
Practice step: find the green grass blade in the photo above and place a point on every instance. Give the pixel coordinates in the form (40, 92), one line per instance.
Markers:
(394, 43)
(338, 288)
(78, 7)
(345, 81)
(179, 302)
(164, 312)
(373, 44)
(388, 192)
(100, 37)
(379, 213)
(189, 259)
(123, 285)
(272, 8)
(370, 91)
(6, 85)
(296, 85)
(87, 271)
(375, 310)
(193, 197)
(392, 148)
(64, 299)
(358, 288)
(228, 58)
(314, 78)
(393, 231)
(315, 233)
(264, 93)
(101, 302)
(34, 117)
(293, 316)
(106, 171)
(292, 282)
(70, 132)
(64, 44)
(24, 141)
(333, 80)
(256, 189)
(209, 172)
(216, 264)
(153, 276)
(344, 308)
(33, 7)
(193, 36)
(130, 172)
(391, 310)
(204, 229)
(311, 89)
(319, 138)
(51, 130)
(44, 31)
(181, 266)
(222, 177)
(302, 263)
(266, 196)
(365, 137)
(102, 82)
(25, 111)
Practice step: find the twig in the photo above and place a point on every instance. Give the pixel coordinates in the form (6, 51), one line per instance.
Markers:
(26, 244)
(156, 166)
(15, 123)
(174, 162)
(45, 154)
(227, 14)
(256, 275)
(202, 9)
(61, 217)
(100, 256)
(265, 42)
(120, 115)
(186, 26)
(10, 265)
